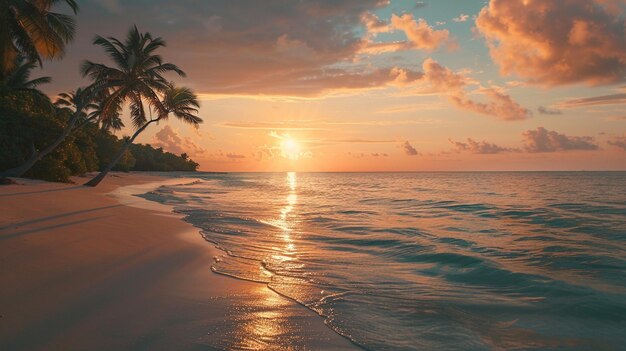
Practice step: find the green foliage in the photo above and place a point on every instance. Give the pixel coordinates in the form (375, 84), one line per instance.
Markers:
(151, 159)
(27, 124)
(107, 147)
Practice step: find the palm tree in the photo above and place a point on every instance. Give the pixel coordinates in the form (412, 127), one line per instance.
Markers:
(30, 29)
(77, 102)
(179, 101)
(136, 78)
(19, 79)
(73, 101)
(106, 122)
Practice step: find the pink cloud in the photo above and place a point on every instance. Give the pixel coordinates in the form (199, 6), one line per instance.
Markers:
(619, 142)
(169, 139)
(409, 149)
(556, 42)
(479, 147)
(543, 140)
(614, 99)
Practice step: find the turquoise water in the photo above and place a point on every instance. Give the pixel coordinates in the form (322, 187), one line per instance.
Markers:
(410, 261)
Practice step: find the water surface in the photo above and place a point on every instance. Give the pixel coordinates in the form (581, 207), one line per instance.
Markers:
(408, 261)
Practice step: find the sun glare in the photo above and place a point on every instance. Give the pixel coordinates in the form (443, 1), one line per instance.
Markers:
(290, 148)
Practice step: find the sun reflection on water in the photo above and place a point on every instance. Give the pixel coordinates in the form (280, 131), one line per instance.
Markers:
(269, 324)
(286, 222)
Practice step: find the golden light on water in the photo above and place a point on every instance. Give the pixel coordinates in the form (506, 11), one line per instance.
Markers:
(268, 326)
(285, 222)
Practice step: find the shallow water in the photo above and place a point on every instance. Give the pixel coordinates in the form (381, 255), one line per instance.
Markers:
(406, 261)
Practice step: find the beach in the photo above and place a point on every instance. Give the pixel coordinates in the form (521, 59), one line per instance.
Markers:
(83, 269)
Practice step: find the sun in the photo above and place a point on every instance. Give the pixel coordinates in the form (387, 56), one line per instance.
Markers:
(290, 148)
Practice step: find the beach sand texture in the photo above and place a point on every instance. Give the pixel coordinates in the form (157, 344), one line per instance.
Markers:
(82, 269)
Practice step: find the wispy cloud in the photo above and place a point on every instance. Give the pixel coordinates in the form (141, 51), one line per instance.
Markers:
(613, 99)
(317, 124)
(235, 156)
(548, 111)
(461, 18)
(618, 141)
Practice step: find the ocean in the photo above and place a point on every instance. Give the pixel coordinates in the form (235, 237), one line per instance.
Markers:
(413, 261)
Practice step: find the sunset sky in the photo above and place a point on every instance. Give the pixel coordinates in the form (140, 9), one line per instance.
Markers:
(370, 85)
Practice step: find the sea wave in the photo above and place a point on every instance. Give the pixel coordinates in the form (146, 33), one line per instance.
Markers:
(406, 261)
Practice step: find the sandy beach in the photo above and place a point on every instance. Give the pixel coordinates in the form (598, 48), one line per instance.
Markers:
(84, 269)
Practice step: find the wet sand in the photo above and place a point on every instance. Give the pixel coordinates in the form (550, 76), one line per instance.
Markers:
(87, 269)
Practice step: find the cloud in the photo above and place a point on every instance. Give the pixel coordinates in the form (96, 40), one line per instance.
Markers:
(241, 47)
(169, 139)
(442, 80)
(613, 99)
(419, 33)
(543, 140)
(319, 124)
(619, 142)
(556, 42)
(548, 111)
(409, 149)
(499, 105)
(479, 147)
(373, 24)
(411, 108)
(235, 156)
(419, 4)
(461, 18)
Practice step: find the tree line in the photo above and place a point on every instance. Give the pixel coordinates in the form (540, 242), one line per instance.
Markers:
(74, 134)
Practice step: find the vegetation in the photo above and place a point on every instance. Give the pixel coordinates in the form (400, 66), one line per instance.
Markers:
(73, 135)
(137, 79)
(26, 125)
(29, 28)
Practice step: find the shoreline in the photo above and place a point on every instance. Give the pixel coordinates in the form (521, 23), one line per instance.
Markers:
(100, 290)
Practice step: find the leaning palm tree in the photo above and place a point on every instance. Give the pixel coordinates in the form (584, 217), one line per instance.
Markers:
(74, 101)
(135, 79)
(30, 29)
(178, 101)
(77, 103)
(110, 122)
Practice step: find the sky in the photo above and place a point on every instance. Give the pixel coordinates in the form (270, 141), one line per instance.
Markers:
(373, 85)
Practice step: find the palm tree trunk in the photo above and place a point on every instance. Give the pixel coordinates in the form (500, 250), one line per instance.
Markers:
(97, 179)
(23, 168)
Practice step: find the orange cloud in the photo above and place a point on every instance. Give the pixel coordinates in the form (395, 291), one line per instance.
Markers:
(419, 32)
(556, 42)
(499, 105)
(441, 79)
(420, 35)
